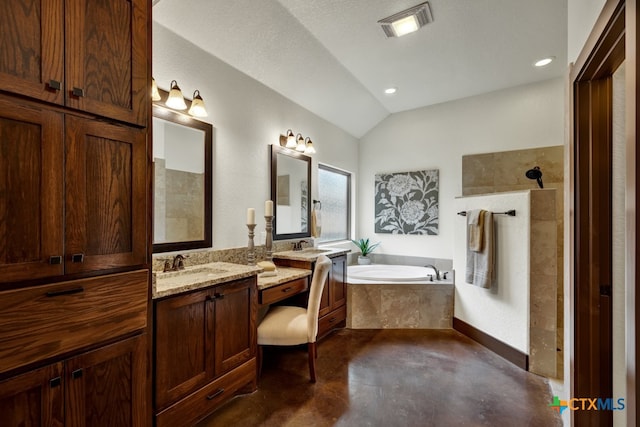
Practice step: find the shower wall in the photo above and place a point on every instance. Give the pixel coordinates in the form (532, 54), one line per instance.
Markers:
(505, 171)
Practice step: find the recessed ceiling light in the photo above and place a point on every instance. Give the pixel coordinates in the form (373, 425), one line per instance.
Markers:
(390, 91)
(544, 61)
(407, 21)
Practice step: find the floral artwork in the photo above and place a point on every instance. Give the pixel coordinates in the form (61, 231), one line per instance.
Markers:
(407, 202)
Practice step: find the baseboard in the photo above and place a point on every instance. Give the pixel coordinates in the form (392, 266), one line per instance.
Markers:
(514, 356)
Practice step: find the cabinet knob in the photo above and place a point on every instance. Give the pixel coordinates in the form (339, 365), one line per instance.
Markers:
(79, 92)
(55, 260)
(54, 85)
(77, 258)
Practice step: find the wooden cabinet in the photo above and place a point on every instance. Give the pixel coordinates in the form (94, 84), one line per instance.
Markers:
(73, 193)
(104, 387)
(88, 55)
(205, 342)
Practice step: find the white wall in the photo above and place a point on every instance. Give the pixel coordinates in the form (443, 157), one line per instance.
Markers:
(436, 137)
(503, 310)
(247, 117)
(581, 16)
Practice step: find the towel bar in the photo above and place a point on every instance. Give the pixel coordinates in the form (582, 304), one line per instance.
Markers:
(511, 212)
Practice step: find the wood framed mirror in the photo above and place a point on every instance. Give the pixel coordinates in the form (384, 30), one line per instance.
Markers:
(291, 193)
(182, 163)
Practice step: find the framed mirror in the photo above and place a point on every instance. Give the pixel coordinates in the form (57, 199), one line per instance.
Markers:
(182, 162)
(291, 193)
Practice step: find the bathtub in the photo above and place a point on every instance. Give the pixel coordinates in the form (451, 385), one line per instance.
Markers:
(381, 296)
(394, 274)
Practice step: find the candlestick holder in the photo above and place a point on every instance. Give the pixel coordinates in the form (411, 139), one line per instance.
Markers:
(268, 242)
(251, 250)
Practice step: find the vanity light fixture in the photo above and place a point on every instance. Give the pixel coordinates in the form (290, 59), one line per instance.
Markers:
(291, 139)
(197, 105)
(407, 21)
(175, 99)
(300, 146)
(155, 93)
(309, 146)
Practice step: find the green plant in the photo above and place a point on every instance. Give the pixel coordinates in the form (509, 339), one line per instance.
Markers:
(365, 247)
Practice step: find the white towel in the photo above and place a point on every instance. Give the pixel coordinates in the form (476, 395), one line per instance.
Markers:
(480, 269)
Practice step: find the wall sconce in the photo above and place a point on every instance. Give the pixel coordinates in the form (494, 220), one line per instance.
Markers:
(309, 146)
(155, 93)
(197, 106)
(298, 142)
(175, 99)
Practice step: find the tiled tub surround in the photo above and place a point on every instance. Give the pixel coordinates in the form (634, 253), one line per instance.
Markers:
(410, 305)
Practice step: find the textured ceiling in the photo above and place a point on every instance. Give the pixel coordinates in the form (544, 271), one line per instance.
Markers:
(331, 56)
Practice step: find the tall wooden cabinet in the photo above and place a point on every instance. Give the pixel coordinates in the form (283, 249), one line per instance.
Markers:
(74, 209)
(205, 350)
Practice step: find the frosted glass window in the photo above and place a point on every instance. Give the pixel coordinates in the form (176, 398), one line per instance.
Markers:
(334, 192)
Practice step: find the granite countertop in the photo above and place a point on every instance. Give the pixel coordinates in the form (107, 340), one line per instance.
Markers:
(284, 274)
(310, 254)
(198, 276)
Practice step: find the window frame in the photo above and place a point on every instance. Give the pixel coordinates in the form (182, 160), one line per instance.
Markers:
(348, 175)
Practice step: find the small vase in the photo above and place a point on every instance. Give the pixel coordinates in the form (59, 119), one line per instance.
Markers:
(364, 260)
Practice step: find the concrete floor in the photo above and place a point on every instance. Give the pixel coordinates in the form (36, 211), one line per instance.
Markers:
(392, 378)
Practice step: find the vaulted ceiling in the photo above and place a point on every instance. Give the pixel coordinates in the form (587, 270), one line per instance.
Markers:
(332, 58)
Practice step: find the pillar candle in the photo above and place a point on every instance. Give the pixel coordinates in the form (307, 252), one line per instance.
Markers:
(268, 208)
(251, 216)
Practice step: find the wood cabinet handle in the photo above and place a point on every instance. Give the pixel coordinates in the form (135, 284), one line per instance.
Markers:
(215, 394)
(54, 85)
(65, 292)
(79, 92)
(55, 382)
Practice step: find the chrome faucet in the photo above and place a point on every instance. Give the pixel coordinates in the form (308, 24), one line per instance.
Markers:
(434, 269)
(297, 246)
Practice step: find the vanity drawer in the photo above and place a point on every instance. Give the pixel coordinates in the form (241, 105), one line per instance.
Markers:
(332, 320)
(44, 321)
(283, 291)
(204, 401)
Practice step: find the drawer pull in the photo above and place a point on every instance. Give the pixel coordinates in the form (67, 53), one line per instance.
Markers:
(77, 92)
(55, 260)
(76, 374)
(77, 258)
(218, 296)
(333, 319)
(287, 289)
(55, 382)
(54, 85)
(216, 394)
(65, 292)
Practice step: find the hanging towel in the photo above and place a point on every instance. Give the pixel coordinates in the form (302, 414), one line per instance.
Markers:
(480, 269)
(316, 222)
(475, 219)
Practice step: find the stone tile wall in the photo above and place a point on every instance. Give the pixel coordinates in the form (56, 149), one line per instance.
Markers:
(505, 171)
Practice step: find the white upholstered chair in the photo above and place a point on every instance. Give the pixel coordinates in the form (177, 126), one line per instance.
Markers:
(284, 325)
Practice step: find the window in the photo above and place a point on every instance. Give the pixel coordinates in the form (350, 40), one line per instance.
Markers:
(334, 192)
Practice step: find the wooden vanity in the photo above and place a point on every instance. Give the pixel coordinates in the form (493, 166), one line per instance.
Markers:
(205, 339)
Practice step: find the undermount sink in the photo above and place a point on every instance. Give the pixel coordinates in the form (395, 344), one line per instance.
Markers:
(314, 251)
(190, 270)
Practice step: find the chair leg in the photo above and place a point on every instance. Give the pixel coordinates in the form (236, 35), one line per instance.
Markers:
(313, 353)
(259, 361)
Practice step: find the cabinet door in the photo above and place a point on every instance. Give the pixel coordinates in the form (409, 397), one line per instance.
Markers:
(105, 195)
(107, 387)
(33, 399)
(31, 191)
(235, 325)
(184, 345)
(106, 58)
(337, 282)
(31, 42)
